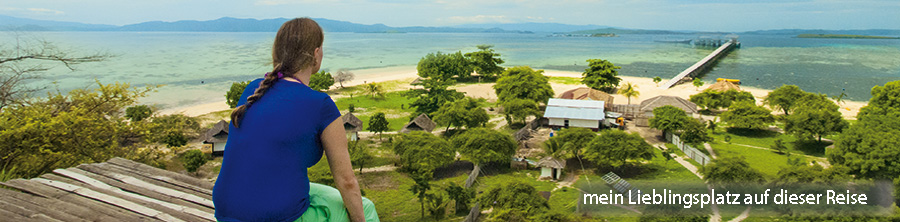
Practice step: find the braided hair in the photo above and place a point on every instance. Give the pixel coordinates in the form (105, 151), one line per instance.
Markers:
(292, 51)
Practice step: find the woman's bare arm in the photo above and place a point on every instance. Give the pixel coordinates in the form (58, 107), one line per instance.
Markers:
(334, 141)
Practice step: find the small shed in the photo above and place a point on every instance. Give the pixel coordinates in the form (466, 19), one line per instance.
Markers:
(585, 93)
(352, 125)
(576, 113)
(551, 167)
(215, 139)
(420, 123)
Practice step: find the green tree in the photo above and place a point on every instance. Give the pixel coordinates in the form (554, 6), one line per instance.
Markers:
(461, 195)
(519, 109)
(730, 170)
(615, 148)
(175, 130)
(193, 160)
(359, 153)
(695, 133)
(374, 89)
(601, 75)
(321, 81)
(711, 99)
(629, 92)
(436, 205)
(433, 95)
(482, 145)
(697, 83)
(869, 147)
(234, 94)
(668, 119)
(520, 198)
(784, 98)
(421, 177)
(573, 141)
(378, 124)
(748, 116)
(883, 102)
(343, 75)
(779, 146)
(799, 172)
(421, 150)
(351, 108)
(65, 130)
(486, 62)
(464, 112)
(657, 80)
(442, 67)
(173, 138)
(815, 116)
(522, 82)
(138, 113)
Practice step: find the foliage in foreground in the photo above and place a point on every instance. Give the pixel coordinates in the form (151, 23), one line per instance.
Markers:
(601, 75)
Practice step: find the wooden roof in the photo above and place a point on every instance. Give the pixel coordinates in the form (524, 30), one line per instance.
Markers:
(352, 123)
(552, 163)
(420, 122)
(723, 86)
(652, 103)
(220, 127)
(585, 93)
(116, 190)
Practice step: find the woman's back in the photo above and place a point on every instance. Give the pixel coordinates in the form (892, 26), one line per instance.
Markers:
(263, 175)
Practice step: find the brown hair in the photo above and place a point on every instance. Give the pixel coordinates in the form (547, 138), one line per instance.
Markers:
(293, 50)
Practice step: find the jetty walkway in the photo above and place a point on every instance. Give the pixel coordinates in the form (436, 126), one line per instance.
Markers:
(703, 63)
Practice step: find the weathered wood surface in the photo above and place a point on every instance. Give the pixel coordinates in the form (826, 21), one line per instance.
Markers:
(117, 190)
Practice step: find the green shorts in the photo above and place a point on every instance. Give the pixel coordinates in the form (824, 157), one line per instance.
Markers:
(326, 204)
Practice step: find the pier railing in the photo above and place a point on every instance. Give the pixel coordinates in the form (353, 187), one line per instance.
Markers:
(702, 64)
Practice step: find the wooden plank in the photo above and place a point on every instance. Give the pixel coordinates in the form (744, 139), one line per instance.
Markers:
(107, 168)
(111, 172)
(115, 201)
(140, 190)
(9, 202)
(160, 172)
(179, 211)
(115, 213)
(12, 216)
(150, 173)
(57, 209)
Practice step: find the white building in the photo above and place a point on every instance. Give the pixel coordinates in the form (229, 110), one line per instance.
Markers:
(575, 113)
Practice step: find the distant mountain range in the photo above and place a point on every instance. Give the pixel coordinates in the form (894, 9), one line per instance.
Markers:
(228, 24)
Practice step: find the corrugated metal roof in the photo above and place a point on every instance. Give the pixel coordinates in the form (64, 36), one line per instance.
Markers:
(574, 109)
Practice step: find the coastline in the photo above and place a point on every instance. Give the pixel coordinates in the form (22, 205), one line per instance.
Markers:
(644, 85)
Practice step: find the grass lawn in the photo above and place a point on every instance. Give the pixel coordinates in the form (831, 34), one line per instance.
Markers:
(389, 191)
(565, 80)
(766, 161)
(394, 105)
(766, 138)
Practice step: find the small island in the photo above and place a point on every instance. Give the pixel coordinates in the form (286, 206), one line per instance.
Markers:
(837, 36)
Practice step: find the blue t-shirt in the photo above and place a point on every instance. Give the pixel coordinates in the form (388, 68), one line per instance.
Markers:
(263, 175)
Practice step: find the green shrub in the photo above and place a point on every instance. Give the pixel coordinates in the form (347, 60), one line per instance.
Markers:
(193, 159)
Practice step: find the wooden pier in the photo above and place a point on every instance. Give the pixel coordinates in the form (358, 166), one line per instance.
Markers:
(704, 63)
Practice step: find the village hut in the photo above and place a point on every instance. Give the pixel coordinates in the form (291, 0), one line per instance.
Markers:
(420, 123)
(551, 168)
(352, 125)
(215, 138)
(647, 106)
(723, 86)
(585, 93)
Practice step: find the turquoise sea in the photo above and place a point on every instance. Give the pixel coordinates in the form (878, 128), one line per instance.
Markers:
(199, 67)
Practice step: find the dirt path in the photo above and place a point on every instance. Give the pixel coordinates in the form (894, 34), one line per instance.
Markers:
(384, 168)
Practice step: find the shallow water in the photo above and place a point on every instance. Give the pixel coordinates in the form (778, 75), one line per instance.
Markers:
(203, 65)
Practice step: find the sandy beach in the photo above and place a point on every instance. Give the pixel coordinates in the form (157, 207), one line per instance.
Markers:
(645, 86)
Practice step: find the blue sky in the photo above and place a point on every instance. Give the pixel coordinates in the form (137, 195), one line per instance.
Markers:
(702, 15)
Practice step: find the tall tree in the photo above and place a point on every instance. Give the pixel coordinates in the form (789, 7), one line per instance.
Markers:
(432, 96)
(234, 94)
(484, 145)
(321, 81)
(422, 150)
(712, 99)
(697, 83)
(464, 112)
(657, 80)
(694, 133)
(748, 116)
(869, 148)
(815, 116)
(442, 67)
(422, 185)
(461, 195)
(486, 62)
(730, 170)
(359, 153)
(883, 102)
(343, 75)
(615, 148)
(374, 89)
(523, 82)
(519, 109)
(784, 98)
(378, 124)
(629, 92)
(601, 75)
(668, 119)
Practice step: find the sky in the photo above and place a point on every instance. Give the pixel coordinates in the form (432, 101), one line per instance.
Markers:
(698, 15)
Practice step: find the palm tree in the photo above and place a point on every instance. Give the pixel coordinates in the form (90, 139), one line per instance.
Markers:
(629, 92)
(374, 89)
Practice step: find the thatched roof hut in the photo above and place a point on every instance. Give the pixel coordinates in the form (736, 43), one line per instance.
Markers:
(421, 123)
(723, 86)
(648, 105)
(552, 163)
(585, 93)
(217, 134)
(352, 123)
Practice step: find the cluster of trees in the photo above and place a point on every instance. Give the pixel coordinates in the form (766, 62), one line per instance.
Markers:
(517, 201)
(319, 81)
(714, 99)
(520, 90)
(807, 115)
(612, 148)
(442, 67)
(464, 112)
(601, 75)
(675, 120)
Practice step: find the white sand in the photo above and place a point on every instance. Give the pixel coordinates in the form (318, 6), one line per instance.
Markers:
(645, 86)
